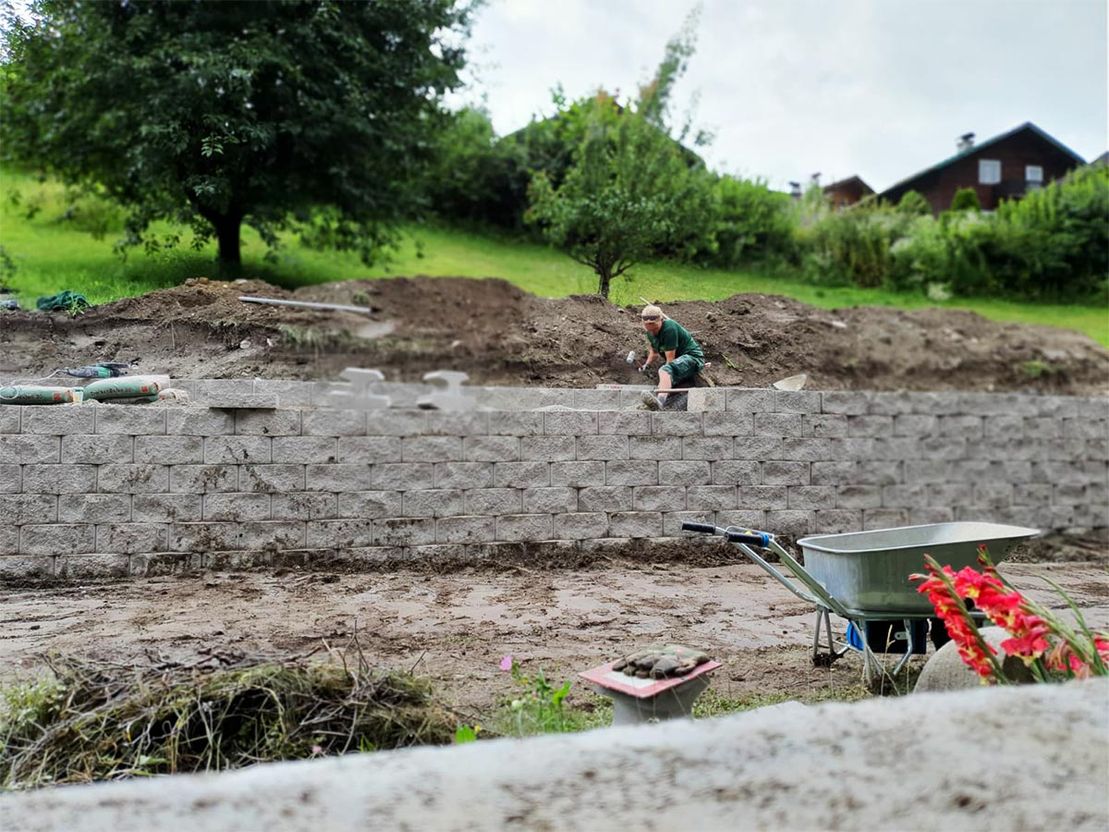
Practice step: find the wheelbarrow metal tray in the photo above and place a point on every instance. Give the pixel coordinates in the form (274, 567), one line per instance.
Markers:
(869, 571)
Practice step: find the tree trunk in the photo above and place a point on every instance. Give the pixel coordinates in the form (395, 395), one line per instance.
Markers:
(230, 251)
(604, 278)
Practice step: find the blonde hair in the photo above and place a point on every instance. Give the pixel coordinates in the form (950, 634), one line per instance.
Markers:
(652, 310)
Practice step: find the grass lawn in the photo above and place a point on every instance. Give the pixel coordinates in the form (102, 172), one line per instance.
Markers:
(52, 252)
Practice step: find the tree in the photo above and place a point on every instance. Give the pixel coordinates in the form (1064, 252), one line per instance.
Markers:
(631, 191)
(309, 115)
(965, 199)
(914, 204)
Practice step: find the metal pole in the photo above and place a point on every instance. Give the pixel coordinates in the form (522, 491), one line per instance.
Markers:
(335, 307)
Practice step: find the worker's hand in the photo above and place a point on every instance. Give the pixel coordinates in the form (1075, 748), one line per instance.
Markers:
(667, 661)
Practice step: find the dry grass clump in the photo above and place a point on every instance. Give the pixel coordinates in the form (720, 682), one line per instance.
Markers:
(98, 721)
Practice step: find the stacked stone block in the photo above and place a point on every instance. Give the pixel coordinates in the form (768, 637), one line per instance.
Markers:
(107, 490)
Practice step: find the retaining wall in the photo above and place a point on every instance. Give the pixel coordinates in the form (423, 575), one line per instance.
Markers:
(97, 490)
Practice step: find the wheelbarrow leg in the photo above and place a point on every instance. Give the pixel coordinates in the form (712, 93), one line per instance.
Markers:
(908, 647)
(819, 659)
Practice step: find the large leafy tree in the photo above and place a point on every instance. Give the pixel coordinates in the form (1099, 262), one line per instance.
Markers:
(631, 190)
(311, 115)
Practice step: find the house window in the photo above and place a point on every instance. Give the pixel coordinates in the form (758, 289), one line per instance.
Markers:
(989, 171)
(1033, 174)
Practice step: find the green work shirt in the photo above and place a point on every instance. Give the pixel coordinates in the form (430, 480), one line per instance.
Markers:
(674, 336)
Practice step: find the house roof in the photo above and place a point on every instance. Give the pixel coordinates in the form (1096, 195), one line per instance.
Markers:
(848, 181)
(981, 146)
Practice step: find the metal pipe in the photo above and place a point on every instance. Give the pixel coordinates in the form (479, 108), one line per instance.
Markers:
(304, 304)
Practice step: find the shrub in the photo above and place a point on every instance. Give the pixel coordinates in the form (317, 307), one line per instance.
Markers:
(965, 199)
(752, 224)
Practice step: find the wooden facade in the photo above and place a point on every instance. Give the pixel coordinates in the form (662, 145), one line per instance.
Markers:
(847, 192)
(1004, 167)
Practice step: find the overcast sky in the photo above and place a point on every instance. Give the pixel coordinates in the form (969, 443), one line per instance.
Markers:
(878, 88)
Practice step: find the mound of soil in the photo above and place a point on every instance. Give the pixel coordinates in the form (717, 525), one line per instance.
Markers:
(500, 334)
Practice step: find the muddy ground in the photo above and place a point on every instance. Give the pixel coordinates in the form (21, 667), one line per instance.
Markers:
(502, 335)
(455, 628)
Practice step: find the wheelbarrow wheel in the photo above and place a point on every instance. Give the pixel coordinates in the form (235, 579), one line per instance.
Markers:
(824, 659)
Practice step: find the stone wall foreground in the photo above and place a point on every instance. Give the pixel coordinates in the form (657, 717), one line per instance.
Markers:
(265, 477)
(1032, 757)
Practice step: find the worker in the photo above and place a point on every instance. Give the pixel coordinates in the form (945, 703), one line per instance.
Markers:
(682, 354)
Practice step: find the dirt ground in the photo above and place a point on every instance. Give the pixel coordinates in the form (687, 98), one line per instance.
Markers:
(455, 628)
(502, 335)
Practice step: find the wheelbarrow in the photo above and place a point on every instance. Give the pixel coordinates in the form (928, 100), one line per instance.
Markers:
(863, 578)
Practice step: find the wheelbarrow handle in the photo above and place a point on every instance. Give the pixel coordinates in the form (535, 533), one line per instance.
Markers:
(703, 528)
(749, 536)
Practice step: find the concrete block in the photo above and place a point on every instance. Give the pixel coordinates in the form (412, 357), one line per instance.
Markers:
(404, 532)
(516, 424)
(879, 473)
(631, 472)
(400, 476)
(802, 449)
(949, 494)
(1032, 494)
(1077, 428)
(773, 401)
(757, 447)
(899, 496)
(792, 523)
(942, 447)
(672, 526)
(465, 529)
(706, 399)
(1004, 427)
(368, 449)
(550, 500)
(494, 501)
(20, 568)
(132, 479)
(597, 399)
(397, 423)
(342, 533)
(309, 506)
(357, 476)
(91, 567)
(778, 424)
(548, 448)
(195, 479)
(624, 423)
(18, 509)
(606, 498)
(288, 393)
(996, 494)
(711, 498)
(438, 502)
(785, 473)
(684, 472)
(707, 447)
(165, 563)
(29, 450)
(635, 524)
(11, 479)
(810, 496)
(581, 525)
(924, 516)
(887, 404)
(162, 508)
(525, 474)
(9, 545)
(917, 425)
(837, 521)
(763, 498)
(658, 498)
(736, 472)
(577, 474)
(727, 424)
(463, 475)
(569, 423)
(896, 448)
(525, 527)
(744, 519)
(492, 448)
(327, 422)
(59, 420)
(129, 419)
(844, 402)
(167, 450)
(961, 427)
(431, 449)
(457, 424)
(1059, 407)
(237, 449)
(655, 447)
(59, 479)
(90, 508)
(870, 425)
(320, 449)
(676, 424)
(281, 478)
(832, 473)
(885, 518)
(1061, 495)
(130, 538)
(199, 421)
(10, 418)
(267, 422)
(824, 425)
(57, 539)
(602, 447)
(236, 507)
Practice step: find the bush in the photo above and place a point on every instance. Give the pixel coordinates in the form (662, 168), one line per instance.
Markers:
(966, 199)
(855, 245)
(753, 224)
